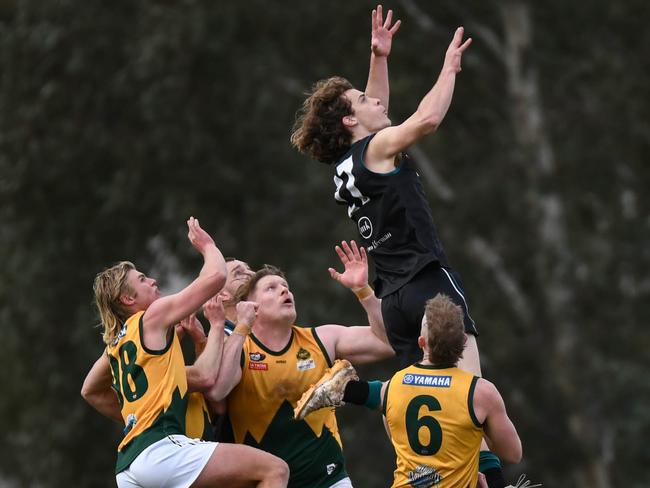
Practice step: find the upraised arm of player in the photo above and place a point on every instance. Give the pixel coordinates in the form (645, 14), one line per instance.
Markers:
(357, 344)
(202, 375)
(355, 263)
(355, 277)
(230, 372)
(169, 310)
(381, 41)
(429, 115)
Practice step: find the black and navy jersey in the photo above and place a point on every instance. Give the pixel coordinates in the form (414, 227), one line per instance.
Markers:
(393, 217)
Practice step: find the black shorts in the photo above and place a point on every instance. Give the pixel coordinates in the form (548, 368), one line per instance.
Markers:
(403, 309)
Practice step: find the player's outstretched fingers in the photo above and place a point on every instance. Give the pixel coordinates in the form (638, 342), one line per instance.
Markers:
(395, 28)
(334, 274)
(355, 250)
(465, 44)
(389, 19)
(348, 251)
(342, 256)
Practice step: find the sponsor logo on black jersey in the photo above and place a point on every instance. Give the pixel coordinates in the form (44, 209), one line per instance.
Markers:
(256, 356)
(365, 227)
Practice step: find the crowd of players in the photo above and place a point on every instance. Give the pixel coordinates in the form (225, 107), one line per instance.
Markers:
(267, 387)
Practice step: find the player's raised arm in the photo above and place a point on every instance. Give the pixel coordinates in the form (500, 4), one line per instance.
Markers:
(429, 115)
(202, 375)
(381, 41)
(355, 278)
(230, 372)
(169, 310)
(357, 344)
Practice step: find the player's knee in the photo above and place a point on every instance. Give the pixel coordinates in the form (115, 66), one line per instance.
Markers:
(279, 470)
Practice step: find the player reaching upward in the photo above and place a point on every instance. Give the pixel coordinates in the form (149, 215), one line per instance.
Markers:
(152, 384)
(281, 360)
(375, 178)
(377, 181)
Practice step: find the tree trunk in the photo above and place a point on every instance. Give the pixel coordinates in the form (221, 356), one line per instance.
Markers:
(554, 260)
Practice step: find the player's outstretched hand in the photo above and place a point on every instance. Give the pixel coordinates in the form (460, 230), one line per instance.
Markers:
(381, 39)
(199, 238)
(456, 49)
(355, 261)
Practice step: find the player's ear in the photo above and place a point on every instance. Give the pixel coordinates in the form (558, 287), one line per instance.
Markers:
(226, 296)
(422, 342)
(127, 300)
(349, 121)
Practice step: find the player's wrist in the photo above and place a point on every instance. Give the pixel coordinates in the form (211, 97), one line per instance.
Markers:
(363, 292)
(242, 329)
(450, 68)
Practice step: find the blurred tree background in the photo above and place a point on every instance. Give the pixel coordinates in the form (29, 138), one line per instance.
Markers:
(119, 120)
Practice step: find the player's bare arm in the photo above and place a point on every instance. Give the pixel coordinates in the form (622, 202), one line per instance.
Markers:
(389, 142)
(381, 41)
(169, 310)
(230, 371)
(361, 344)
(355, 278)
(500, 433)
(202, 375)
(97, 391)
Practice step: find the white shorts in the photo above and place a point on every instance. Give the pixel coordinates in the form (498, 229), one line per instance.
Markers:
(173, 462)
(344, 483)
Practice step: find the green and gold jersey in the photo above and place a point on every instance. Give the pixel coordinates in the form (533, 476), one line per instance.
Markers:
(261, 409)
(151, 387)
(435, 433)
(198, 424)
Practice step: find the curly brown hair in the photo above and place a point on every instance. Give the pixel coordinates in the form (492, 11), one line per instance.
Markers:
(319, 130)
(445, 332)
